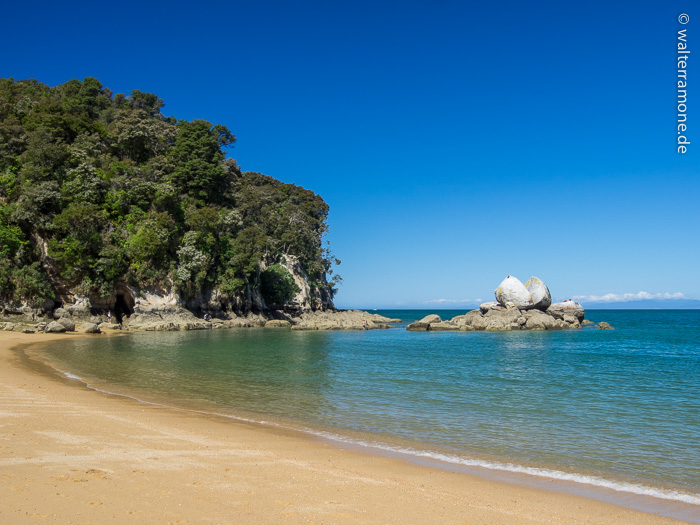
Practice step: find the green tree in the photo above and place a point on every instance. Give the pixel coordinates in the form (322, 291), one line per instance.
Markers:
(277, 286)
(197, 156)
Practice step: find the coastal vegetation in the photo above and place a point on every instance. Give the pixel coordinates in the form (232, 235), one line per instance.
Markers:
(99, 189)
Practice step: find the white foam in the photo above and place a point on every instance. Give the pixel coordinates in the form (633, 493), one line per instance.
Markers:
(69, 375)
(619, 486)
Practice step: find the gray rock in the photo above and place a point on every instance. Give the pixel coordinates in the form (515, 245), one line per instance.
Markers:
(497, 320)
(92, 328)
(55, 327)
(493, 305)
(541, 298)
(558, 310)
(68, 323)
(538, 320)
(475, 320)
(28, 331)
(511, 293)
(571, 320)
(9, 327)
(41, 327)
(424, 324)
(604, 326)
(95, 319)
(60, 312)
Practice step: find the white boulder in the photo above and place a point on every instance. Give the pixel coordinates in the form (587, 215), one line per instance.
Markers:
(511, 293)
(541, 298)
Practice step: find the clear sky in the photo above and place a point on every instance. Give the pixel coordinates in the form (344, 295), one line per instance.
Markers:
(455, 142)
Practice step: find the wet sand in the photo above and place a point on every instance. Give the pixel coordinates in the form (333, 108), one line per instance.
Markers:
(69, 454)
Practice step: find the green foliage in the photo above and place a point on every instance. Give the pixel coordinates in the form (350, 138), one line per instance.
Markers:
(277, 285)
(197, 156)
(11, 238)
(118, 192)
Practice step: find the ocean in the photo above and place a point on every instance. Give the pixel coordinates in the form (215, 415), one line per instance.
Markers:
(617, 409)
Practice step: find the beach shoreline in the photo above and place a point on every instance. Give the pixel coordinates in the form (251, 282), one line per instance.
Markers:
(69, 453)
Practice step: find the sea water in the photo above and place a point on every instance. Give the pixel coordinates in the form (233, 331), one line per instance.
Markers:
(618, 409)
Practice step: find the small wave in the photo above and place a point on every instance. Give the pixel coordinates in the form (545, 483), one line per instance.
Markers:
(70, 376)
(619, 486)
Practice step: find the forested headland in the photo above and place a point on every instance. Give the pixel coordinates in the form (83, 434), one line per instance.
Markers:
(100, 190)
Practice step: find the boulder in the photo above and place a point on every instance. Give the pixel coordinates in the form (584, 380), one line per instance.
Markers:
(9, 327)
(60, 312)
(558, 310)
(55, 327)
(96, 320)
(28, 331)
(538, 320)
(493, 305)
(511, 293)
(41, 327)
(68, 323)
(586, 322)
(277, 323)
(571, 320)
(604, 326)
(541, 298)
(424, 324)
(92, 328)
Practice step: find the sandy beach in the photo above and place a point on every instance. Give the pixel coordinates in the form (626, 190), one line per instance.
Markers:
(69, 454)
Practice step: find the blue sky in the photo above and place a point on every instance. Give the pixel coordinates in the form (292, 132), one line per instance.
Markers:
(455, 142)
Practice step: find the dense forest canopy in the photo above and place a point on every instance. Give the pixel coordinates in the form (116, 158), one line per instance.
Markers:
(98, 189)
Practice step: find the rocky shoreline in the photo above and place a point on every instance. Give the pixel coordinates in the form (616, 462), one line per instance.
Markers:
(60, 320)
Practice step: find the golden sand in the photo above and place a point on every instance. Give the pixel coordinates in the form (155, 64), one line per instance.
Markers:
(69, 454)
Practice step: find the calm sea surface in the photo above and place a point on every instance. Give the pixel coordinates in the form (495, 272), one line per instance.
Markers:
(614, 408)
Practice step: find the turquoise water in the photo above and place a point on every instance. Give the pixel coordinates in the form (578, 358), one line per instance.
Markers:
(613, 408)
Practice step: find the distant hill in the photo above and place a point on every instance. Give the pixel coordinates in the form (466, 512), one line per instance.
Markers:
(647, 304)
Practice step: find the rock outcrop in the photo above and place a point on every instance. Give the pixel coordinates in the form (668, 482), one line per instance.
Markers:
(424, 324)
(341, 320)
(518, 307)
(558, 310)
